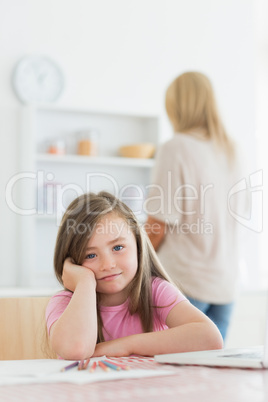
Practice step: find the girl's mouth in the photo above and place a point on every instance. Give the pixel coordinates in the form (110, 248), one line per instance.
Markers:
(110, 277)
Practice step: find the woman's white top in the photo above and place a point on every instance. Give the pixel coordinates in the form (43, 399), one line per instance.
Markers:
(193, 192)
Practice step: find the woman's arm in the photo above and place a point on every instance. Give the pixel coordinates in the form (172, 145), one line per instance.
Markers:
(189, 330)
(156, 231)
(74, 335)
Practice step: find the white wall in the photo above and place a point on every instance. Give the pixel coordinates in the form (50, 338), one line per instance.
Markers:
(120, 55)
(261, 119)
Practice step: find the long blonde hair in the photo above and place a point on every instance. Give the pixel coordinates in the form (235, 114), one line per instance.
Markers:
(191, 106)
(77, 226)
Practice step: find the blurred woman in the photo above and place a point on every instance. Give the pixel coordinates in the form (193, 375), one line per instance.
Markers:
(188, 205)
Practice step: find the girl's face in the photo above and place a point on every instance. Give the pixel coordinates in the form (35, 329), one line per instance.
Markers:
(112, 255)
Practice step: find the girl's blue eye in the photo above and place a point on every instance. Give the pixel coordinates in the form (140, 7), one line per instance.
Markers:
(90, 256)
(117, 248)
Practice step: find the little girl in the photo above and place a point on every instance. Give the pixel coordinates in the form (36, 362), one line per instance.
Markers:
(118, 299)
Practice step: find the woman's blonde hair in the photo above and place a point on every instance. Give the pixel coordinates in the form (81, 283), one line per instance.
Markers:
(191, 105)
(77, 226)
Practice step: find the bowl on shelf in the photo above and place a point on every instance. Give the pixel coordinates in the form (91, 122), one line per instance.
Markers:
(142, 150)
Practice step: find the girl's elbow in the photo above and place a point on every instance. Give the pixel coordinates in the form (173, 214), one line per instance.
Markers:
(75, 350)
(215, 340)
(82, 351)
(77, 354)
(216, 344)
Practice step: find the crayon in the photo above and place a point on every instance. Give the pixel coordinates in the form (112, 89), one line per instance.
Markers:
(111, 365)
(70, 366)
(103, 366)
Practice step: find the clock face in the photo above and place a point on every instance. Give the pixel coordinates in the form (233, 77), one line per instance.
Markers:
(37, 79)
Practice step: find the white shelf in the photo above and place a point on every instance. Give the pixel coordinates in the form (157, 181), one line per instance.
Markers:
(55, 180)
(100, 160)
(79, 111)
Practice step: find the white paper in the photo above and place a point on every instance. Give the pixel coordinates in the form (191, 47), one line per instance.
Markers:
(49, 371)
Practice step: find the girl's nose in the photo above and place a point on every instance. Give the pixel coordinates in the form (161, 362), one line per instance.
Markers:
(107, 263)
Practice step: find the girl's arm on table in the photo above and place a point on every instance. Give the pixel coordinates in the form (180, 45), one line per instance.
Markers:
(189, 330)
(74, 335)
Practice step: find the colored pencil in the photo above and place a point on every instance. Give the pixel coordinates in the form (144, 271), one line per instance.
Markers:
(93, 367)
(123, 366)
(102, 365)
(111, 365)
(70, 366)
(81, 365)
(86, 364)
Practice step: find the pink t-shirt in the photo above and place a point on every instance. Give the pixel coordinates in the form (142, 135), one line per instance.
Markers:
(117, 321)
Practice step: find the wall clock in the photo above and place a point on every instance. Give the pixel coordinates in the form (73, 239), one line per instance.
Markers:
(37, 79)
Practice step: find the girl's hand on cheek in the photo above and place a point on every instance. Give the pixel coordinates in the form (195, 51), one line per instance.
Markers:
(73, 274)
(116, 348)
